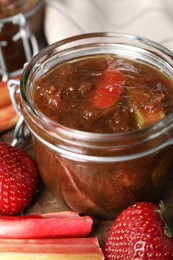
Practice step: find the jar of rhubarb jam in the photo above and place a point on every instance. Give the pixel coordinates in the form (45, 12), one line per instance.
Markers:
(21, 34)
(100, 110)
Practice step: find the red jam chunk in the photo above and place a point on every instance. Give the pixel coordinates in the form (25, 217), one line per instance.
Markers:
(103, 94)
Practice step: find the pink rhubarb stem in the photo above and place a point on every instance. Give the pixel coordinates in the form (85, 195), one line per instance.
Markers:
(50, 225)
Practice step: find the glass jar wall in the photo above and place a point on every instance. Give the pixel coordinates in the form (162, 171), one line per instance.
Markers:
(99, 173)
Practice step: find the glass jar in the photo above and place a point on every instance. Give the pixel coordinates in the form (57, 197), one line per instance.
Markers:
(21, 34)
(95, 173)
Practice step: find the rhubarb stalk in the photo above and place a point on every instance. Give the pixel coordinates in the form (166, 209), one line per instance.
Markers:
(8, 117)
(4, 95)
(50, 225)
(51, 249)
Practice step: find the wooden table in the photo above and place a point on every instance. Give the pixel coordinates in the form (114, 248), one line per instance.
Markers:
(45, 202)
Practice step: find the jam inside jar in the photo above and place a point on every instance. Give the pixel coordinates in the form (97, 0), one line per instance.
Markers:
(99, 107)
(21, 34)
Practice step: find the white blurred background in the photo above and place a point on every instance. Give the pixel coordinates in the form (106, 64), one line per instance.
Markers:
(152, 19)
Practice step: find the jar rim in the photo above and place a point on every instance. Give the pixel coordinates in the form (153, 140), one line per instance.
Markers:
(153, 130)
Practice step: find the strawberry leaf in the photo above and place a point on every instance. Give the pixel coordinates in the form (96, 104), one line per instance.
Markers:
(162, 213)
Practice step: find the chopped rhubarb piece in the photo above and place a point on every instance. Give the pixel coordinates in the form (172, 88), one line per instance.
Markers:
(147, 107)
(50, 225)
(108, 89)
(144, 118)
(51, 249)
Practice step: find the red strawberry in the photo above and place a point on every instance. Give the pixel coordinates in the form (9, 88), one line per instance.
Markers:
(139, 233)
(18, 179)
(109, 89)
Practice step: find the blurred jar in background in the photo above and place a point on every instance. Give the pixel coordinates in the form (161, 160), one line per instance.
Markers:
(21, 37)
(21, 34)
